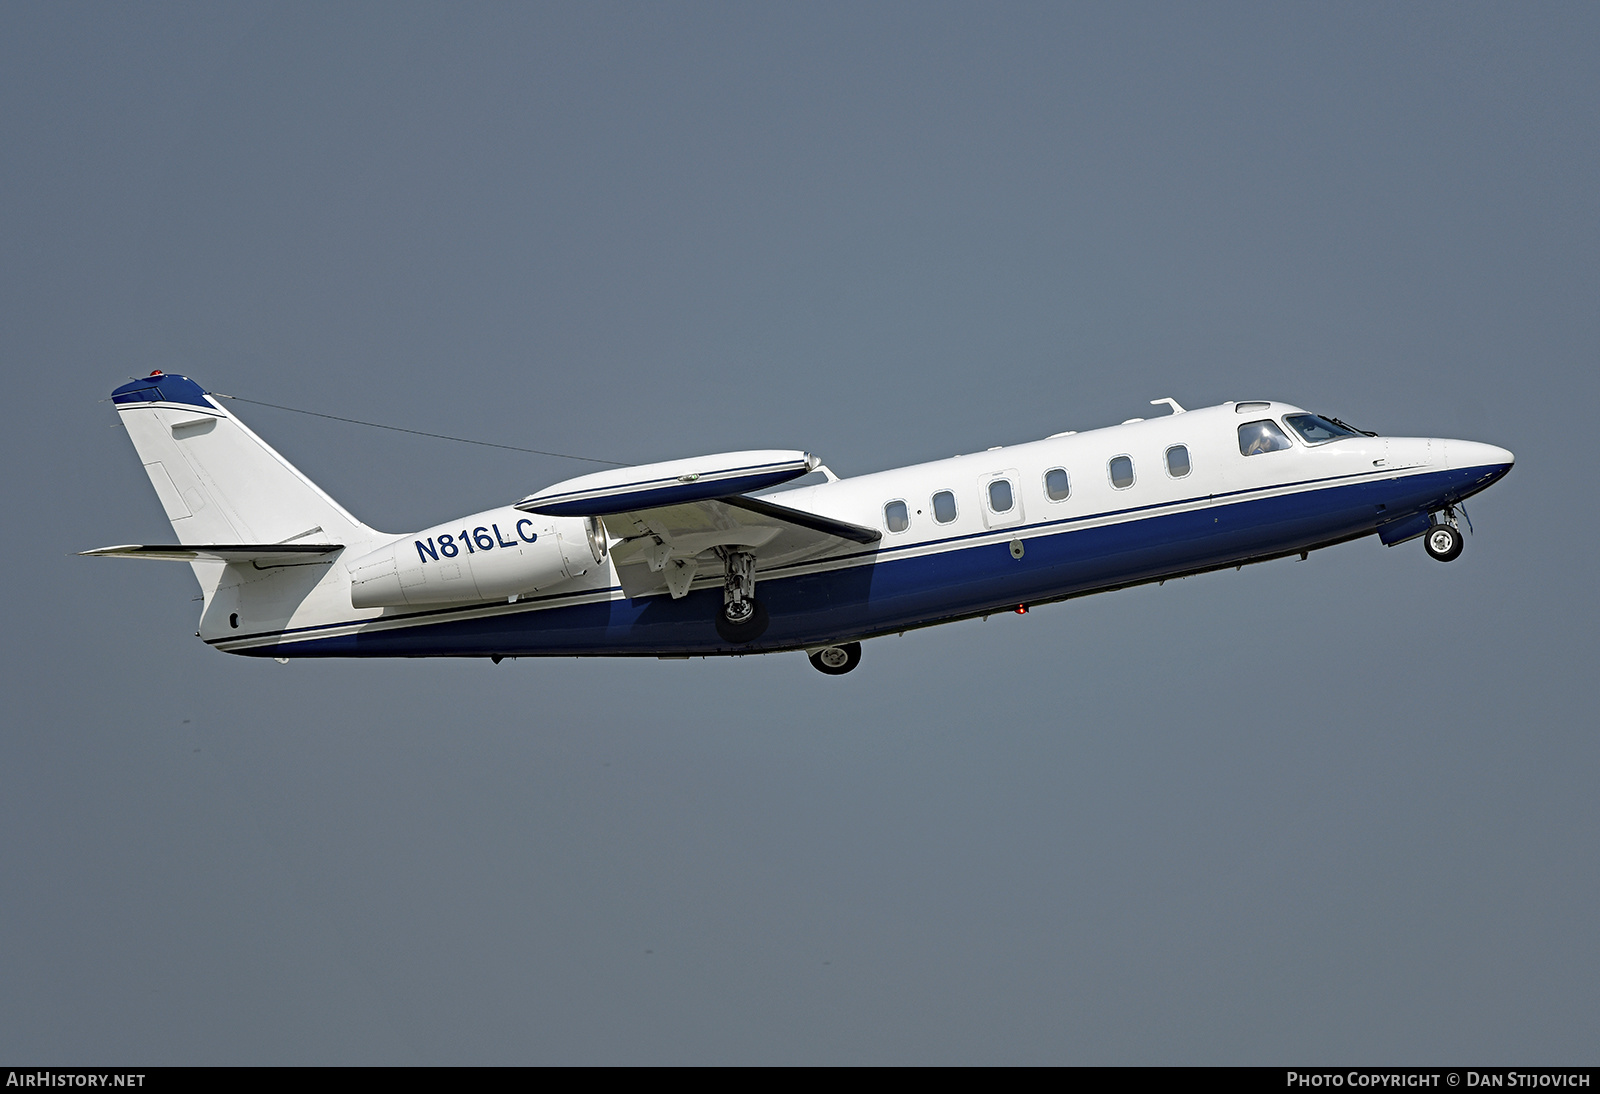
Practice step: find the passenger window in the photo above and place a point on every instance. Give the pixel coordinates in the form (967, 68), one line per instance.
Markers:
(1000, 500)
(1263, 436)
(1056, 485)
(1177, 461)
(1122, 472)
(896, 517)
(944, 507)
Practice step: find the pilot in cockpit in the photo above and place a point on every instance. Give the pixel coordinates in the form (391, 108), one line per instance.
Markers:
(1263, 436)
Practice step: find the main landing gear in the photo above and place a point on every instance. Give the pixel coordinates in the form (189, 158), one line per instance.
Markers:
(1443, 540)
(742, 618)
(837, 660)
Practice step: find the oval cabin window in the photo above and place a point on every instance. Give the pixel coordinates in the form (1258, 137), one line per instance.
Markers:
(1122, 472)
(896, 517)
(1177, 461)
(1056, 485)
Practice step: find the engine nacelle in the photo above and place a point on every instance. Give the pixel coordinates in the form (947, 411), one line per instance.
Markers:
(492, 555)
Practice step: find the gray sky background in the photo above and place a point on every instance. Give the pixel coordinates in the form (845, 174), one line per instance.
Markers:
(1321, 812)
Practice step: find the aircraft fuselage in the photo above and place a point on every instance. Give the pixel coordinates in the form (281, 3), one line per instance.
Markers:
(971, 535)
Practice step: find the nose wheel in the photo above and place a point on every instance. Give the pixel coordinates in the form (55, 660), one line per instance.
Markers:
(837, 660)
(1443, 542)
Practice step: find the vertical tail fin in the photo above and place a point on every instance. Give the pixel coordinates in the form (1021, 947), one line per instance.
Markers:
(218, 481)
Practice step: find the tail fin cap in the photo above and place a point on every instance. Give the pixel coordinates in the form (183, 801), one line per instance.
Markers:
(163, 387)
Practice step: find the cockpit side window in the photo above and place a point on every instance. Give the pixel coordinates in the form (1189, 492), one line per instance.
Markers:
(1316, 429)
(1263, 436)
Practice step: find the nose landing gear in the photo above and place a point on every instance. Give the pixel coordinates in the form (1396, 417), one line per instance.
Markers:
(837, 660)
(1444, 540)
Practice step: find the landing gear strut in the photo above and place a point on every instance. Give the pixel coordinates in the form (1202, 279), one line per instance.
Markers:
(1443, 540)
(743, 618)
(837, 660)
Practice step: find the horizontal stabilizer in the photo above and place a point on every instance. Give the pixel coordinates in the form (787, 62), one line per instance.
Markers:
(220, 552)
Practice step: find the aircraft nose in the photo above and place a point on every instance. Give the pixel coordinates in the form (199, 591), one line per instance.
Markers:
(1474, 454)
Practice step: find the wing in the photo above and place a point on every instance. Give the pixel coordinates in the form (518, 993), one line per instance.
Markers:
(671, 517)
(665, 548)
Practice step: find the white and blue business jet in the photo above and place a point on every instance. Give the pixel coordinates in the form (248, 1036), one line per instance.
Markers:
(689, 557)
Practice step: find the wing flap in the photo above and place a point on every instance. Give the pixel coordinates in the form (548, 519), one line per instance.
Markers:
(665, 548)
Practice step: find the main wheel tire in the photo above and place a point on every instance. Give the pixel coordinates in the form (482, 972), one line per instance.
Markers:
(837, 660)
(1443, 542)
(747, 631)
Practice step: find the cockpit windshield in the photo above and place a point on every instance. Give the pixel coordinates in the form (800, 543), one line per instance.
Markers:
(1316, 429)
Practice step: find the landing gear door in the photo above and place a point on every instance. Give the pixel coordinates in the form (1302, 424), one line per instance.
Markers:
(1000, 498)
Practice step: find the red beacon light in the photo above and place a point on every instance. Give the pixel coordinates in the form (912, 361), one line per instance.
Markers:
(155, 372)
(1022, 609)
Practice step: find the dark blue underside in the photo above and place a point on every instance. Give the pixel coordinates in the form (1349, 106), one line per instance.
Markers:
(896, 594)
